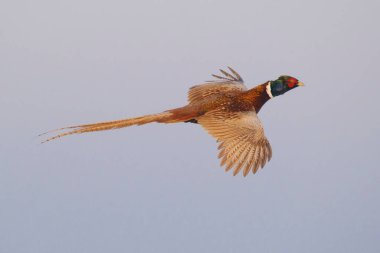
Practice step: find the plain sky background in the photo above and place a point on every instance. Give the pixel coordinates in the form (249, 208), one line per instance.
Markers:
(159, 188)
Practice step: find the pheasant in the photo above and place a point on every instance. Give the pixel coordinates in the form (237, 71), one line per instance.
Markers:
(226, 109)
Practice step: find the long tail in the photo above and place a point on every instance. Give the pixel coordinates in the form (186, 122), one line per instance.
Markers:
(171, 116)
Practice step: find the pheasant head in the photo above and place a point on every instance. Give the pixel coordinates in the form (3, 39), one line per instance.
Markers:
(282, 85)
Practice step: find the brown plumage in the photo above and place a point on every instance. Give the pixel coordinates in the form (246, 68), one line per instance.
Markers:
(225, 109)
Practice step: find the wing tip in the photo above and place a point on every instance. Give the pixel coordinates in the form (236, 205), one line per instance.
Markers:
(233, 76)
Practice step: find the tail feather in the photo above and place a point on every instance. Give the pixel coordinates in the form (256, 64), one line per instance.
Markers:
(165, 117)
(82, 126)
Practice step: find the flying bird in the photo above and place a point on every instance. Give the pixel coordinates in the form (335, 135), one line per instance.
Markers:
(226, 109)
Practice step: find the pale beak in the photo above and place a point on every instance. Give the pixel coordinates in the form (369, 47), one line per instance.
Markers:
(300, 84)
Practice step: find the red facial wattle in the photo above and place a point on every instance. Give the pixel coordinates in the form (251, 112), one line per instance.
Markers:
(291, 82)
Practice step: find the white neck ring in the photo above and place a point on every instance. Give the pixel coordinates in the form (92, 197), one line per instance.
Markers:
(269, 90)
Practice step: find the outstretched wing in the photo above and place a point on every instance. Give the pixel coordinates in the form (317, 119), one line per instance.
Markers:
(243, 144)
(229, 82)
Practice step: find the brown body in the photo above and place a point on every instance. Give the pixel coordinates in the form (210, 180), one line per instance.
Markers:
(231, 101)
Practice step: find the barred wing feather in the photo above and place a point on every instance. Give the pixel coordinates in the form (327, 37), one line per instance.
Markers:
(243, 145)
(227, 83)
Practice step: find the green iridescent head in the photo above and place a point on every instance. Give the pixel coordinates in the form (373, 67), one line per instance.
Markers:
(282, 85)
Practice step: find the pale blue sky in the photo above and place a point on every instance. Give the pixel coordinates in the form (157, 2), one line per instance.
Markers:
(159, 188)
